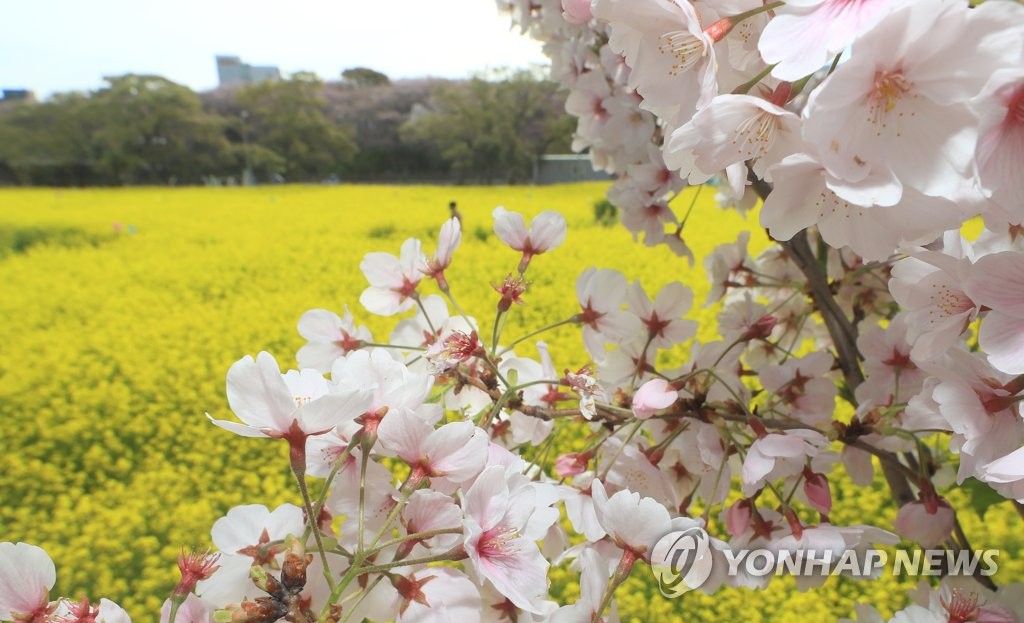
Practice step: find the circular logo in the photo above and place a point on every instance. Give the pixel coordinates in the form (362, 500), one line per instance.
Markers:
(681, 561)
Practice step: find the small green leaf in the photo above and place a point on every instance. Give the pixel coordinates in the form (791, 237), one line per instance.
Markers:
(982, 496)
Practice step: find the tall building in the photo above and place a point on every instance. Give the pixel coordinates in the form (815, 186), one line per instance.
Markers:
(231, 71)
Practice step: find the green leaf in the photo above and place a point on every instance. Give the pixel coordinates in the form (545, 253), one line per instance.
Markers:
(982, 496)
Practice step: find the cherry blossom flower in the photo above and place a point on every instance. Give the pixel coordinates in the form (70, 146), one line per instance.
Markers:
(864, 216)
(996, 281)
(601, 293)
(930, 287)
(547, 231)
(192, 610)
(801, 388)
(498, 540)
(958, 599)
(393, 280)
(292, 406)
(457, 347)
(734, 129)
(435, 595)
(247, 535)
(663, 316)
(593, 582)
(779, 455)
(671, 57)
(456, 451)
(84, 612)
(330, 337)
(26, 576)
(903, 92)
(891, 375)
(429, 510)
(1000, 150)
(978, 404)
(805, 35)
(447, 242)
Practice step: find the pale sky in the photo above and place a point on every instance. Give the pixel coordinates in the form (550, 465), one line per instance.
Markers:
(61, 45)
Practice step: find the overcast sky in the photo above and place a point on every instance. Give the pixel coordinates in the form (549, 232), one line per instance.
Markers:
(62, 45)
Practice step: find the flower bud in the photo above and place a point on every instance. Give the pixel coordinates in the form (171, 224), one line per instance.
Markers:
(817, 491)
(927, 526)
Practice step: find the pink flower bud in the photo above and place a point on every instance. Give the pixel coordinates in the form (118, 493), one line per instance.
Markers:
(916, 522)
(818, 494)
(737, 517)
(576, 11)
(652, 397)
(572, 464)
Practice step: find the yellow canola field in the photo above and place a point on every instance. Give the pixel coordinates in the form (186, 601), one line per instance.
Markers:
(122, 310)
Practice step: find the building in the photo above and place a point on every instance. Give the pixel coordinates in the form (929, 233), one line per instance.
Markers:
(563, 168)
(18, 95)
(231, 71)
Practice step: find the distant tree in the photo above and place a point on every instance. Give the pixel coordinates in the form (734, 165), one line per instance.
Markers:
(287, 127)
(48, 143)
(149, 130)
(494, 130)
(376, 114)
(364, 77)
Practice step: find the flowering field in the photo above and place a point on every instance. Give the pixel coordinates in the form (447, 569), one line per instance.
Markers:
(123, 310)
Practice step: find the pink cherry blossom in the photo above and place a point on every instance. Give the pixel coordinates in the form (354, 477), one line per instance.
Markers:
(26, 576)
(930, 288)
(996, 281)
(802, 388)
(663, 316)
(435, 595)
(864, 218)
(496, 518)
(456, 451)
(429, 510)
(806, 34)
(601, 293)
(672, 59)
(1000, 150)
(892, 377)
(244, 537)
(652, 397)
(192, 610)
(779, 455)
(547, 231)
(735, 129)
(329, 336)
(447, 242)
(393, 280)
(903, 93)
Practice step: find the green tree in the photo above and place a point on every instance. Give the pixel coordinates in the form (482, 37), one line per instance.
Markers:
(149, 130)
(48, 143)
(493, 130)
(286, 125)
(364, 77)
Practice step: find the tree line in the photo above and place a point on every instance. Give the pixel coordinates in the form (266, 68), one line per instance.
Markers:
(145, 129)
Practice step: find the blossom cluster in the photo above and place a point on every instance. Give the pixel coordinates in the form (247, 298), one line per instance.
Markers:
(870, 132)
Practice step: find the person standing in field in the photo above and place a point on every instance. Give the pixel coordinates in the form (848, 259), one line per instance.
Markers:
(453, 209)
